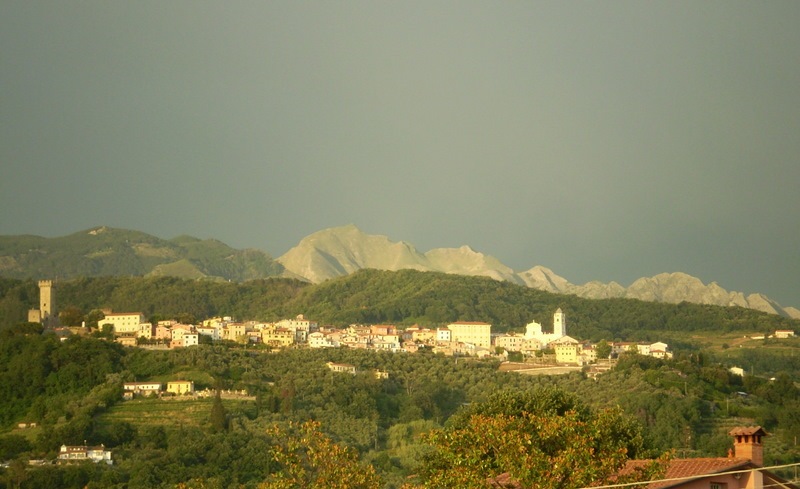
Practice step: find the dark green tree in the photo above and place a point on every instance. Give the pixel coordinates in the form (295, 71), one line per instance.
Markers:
(219, 416)
(13, 445)
(603, 350)
(70, 316)
(94, 317)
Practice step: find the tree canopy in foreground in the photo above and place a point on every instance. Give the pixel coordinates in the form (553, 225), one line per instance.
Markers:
(544, 438)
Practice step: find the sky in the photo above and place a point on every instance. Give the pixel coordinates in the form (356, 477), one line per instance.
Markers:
(604, 140)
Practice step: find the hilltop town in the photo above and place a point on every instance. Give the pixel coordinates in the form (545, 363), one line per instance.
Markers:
(464, 338)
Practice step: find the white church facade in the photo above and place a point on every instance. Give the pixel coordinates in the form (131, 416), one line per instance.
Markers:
(533, 331)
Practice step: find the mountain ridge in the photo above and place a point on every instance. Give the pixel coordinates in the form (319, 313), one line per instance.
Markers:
(104, 250)
(326, 254)
(315, 259)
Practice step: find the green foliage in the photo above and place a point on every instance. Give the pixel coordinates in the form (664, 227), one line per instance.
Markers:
(70, 316)
(542, 438)
(764, 361)
(74, 388)
(13, 445)
(603, 349)
(308, 459)
(219, 417)
(169, 297)
(16, 298)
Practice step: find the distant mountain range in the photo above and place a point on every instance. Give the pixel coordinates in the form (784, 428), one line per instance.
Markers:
(343, 250)
(320, 256)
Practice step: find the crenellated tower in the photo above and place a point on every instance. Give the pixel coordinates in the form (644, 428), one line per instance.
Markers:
(47, 314)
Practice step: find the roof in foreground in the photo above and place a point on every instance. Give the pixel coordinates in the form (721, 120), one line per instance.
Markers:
(682, 469)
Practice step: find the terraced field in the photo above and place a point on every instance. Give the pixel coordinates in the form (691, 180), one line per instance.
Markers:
(167, 412)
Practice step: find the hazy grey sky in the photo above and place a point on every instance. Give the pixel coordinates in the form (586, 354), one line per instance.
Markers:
(605, 140)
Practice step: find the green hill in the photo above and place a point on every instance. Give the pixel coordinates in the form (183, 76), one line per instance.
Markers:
(403, 298)
(107, 251)
(73, 391)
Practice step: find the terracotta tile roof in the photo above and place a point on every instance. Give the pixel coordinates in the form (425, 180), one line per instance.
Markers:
(678, 469)
(679, 472)
(747, 430)
(686, 468)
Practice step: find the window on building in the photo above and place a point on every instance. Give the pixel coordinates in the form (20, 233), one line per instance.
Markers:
(719, 485)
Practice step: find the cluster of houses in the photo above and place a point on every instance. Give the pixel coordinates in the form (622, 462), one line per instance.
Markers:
(176, 388)
(131, 329)
(472, 338)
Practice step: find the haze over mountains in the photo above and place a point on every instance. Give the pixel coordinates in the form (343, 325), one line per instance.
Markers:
(320, 256)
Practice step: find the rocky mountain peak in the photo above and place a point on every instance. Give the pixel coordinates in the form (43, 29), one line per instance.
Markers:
(343, 250)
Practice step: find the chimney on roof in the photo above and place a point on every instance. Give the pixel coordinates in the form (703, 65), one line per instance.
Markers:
(747, 443)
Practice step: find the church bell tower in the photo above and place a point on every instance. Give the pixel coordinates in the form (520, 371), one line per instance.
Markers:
(559, 324)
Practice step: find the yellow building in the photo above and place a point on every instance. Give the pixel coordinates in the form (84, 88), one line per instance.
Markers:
(475, 333)
(424, 335)
(277, 337)
(180, 387)
(124, 323)
(568, 353)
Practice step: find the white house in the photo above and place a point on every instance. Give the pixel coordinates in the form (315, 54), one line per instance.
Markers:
(191, 339)
(142, 387)
(83, 453)
(211, 331)
(319, 339)
(737, 371)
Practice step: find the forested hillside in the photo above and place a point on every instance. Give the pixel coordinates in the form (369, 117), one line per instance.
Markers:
(73, 391)
(402, 298)
(108, 251)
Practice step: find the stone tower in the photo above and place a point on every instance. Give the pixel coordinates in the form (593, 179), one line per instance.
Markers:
(47, 303)
(559, 324)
